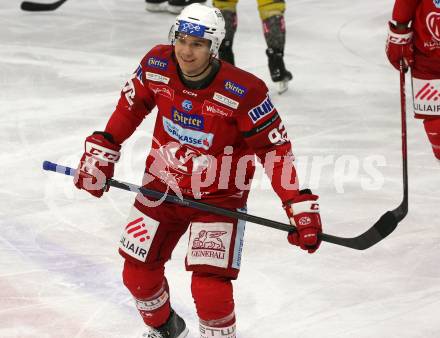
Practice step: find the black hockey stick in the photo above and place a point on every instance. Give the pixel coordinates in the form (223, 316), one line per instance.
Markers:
(401, 211)
(31, 6)
(383, 227)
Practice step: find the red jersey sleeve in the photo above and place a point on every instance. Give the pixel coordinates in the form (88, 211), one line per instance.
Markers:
(265, 133)
(404, 10)
(136, 101)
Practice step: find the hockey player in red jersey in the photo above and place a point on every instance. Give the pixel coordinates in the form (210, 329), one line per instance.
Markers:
(414, 36)
(212, 119)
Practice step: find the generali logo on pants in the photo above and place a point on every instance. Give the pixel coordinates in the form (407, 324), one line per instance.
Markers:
(210, 244)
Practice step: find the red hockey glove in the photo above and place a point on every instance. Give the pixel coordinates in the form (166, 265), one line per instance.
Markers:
(97, 164)
(400, 46)
(303, 212)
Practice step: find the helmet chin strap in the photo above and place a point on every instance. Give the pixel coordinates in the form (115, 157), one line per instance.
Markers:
(204, 69)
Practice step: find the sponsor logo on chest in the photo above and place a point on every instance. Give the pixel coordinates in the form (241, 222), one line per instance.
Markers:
(225, 100)
(186, 120)
(162, 90)
(157, 63)
(264, 108)
(190, 93)
(187, 105)
(235, 88)
(187, 136)
(212, 109)
(157, 77)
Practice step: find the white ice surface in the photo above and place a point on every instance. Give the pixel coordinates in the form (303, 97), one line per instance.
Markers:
(60, 273)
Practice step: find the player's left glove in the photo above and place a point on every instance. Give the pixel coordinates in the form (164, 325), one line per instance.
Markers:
(303, 212)
(400, 46)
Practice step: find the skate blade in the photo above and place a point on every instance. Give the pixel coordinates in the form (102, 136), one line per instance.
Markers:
(282, 86)
(184, 333)
(175, 10)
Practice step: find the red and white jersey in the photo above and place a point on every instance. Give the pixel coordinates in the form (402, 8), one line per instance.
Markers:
(205, 139)
(425, 17)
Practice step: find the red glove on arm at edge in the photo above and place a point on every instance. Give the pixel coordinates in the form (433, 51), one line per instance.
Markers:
(400, 46)
(97, 164)
(303, 212)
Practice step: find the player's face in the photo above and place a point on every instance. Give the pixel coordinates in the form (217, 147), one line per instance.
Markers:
(192, 54)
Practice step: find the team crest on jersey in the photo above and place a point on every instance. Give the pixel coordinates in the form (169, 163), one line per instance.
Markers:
(433, 24)
(235, 88)
(264, 108)
(437, 3)
(225, 100)
(162, 90)
(155, 62)
(186, 120)
(184, 159)
(211, 109)
(157, 77)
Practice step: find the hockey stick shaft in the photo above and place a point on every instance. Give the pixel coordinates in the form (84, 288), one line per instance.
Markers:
(381, 229)
(404, 204)
(31, 6)
(348, 242)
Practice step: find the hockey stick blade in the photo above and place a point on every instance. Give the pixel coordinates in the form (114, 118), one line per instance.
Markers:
(31, 6)
(381, 229)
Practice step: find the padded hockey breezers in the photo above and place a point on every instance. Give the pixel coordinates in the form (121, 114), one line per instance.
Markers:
(174, 327)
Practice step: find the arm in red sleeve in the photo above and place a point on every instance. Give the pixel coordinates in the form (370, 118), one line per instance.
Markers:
(404, 10)
(270, 143)
(135, 103)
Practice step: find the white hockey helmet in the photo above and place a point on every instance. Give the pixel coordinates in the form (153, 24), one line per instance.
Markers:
(201, 21)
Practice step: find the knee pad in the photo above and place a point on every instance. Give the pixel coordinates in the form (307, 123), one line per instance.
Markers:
(432, 128)
(150, 291)
(214, 300)
(268, 8)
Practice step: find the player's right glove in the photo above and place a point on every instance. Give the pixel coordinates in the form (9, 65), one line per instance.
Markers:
(400, 46)
(303, 212)
(97, 164)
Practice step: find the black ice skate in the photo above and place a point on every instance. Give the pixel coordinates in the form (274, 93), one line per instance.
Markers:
(176, 6)
(225, 52)
(278, 72)
(174, 327)
(156, 5)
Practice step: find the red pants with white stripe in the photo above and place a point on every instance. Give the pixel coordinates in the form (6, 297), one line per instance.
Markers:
(213, 256)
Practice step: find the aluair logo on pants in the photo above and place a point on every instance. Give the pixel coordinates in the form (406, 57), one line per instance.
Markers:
(426, 97)
(137, 235)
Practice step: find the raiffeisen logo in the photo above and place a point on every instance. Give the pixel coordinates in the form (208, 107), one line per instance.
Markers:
(235, 89)
(157, 63)
(188, 120)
